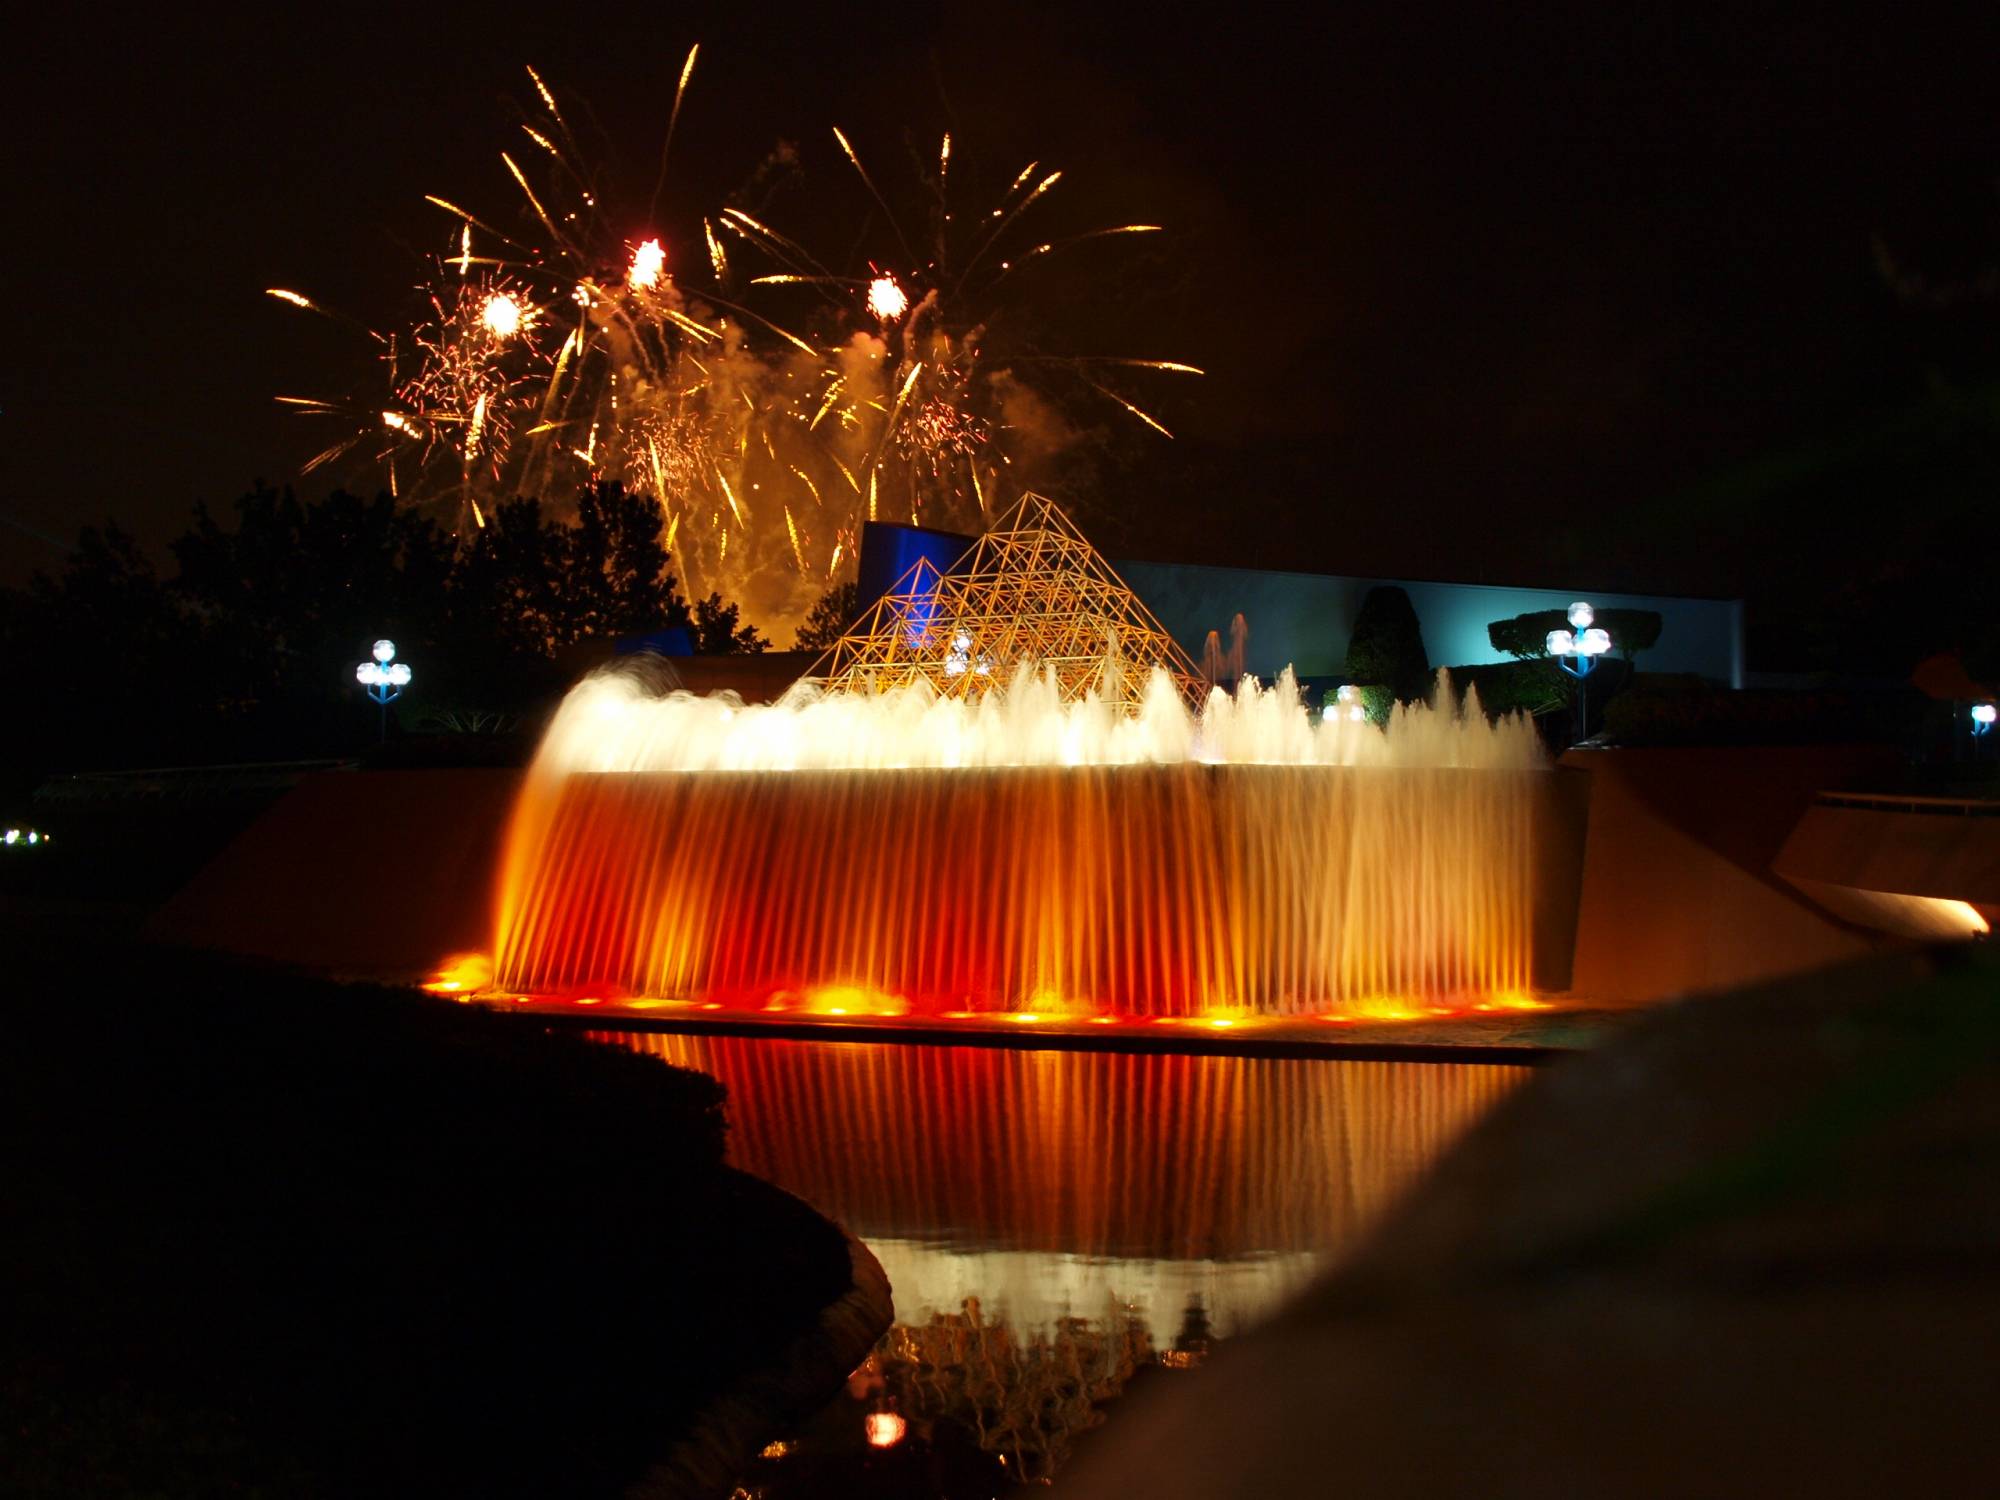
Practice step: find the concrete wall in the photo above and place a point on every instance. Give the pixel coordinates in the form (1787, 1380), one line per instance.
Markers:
(374, 874)
(1925, 868)
(1304, 619)
(384, 873)
(1680, 893)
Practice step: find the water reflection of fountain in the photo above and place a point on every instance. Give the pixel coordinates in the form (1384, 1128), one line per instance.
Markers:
(1052, 1222)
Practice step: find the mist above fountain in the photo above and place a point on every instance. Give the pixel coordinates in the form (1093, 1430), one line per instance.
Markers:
(999, 798)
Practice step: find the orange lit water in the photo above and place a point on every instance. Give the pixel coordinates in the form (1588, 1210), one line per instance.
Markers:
(1176, 889)
(1056, 1223)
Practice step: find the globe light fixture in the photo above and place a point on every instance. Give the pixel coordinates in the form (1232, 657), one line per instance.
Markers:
(384, 677)
(1576, 651)
(1983, 715)
(1347, 700)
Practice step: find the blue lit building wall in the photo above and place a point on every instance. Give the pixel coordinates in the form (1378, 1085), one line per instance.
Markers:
(1303, 619)
(889, 550)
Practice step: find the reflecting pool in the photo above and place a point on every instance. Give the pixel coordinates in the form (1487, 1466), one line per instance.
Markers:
(1058, 1225)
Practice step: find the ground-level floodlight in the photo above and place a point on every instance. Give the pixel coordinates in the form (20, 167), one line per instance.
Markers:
(1576, 652)
(385, 678)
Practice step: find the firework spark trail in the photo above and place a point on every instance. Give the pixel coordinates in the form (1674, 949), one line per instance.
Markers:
(568, 344)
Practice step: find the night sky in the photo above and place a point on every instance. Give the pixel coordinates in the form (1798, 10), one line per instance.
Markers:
(1455, 276)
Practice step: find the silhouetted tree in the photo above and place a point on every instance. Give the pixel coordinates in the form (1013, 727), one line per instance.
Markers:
(507, 582)
(103, 656)
(249, 650)
(831, 614)
(615, 579)
(288, 598)
(716, 632)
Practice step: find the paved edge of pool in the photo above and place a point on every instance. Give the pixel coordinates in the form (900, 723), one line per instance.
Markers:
(1518, 1037)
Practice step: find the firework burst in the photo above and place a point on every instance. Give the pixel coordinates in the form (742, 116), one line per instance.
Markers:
(581, 343)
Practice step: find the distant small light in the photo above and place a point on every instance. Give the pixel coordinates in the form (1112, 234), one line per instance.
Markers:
(885, 1429)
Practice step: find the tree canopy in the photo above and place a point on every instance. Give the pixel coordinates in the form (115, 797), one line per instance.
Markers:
(1526, 636)
(831, 614)
(248, 648)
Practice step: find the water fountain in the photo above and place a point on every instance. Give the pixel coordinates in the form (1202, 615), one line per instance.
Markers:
(1004, 796)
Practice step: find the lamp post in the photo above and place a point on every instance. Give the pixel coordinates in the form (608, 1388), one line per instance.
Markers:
(1581, 645)
(385, 678)
(1983, 715)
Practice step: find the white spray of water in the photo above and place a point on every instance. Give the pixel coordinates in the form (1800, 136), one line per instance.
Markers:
(613, 722)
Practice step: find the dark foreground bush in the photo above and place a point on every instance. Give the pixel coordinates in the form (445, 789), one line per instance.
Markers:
(273, 1236)
(1685, 710)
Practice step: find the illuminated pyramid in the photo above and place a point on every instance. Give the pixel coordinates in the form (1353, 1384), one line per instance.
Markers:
(1031, 591)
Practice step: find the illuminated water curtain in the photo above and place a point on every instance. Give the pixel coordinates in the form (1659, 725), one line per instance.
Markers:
(1000, 796)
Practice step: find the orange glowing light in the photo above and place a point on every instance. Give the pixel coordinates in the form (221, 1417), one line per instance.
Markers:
(886, 300)
(649, 264)
(885, 1429)
(461, 974)
(842, 1000)
(503, 316)
(1974, 920)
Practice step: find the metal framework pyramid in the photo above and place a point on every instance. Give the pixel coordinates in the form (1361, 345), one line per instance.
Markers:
(1031, 591)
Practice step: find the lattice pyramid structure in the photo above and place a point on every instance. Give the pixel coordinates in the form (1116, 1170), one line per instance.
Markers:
(1032, 591)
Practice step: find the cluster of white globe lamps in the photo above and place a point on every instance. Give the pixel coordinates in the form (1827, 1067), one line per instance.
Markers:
(1584, 640)
(384, 677)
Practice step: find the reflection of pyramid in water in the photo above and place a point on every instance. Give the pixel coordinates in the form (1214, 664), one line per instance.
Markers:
(1032, 591)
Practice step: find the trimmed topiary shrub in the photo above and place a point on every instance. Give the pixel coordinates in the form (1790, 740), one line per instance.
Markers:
(1386, 648)
(1526, 636)
(1536, 688)
(1681, 709)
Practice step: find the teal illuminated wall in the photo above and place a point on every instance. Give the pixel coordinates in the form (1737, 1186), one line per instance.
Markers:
(1303, 619)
